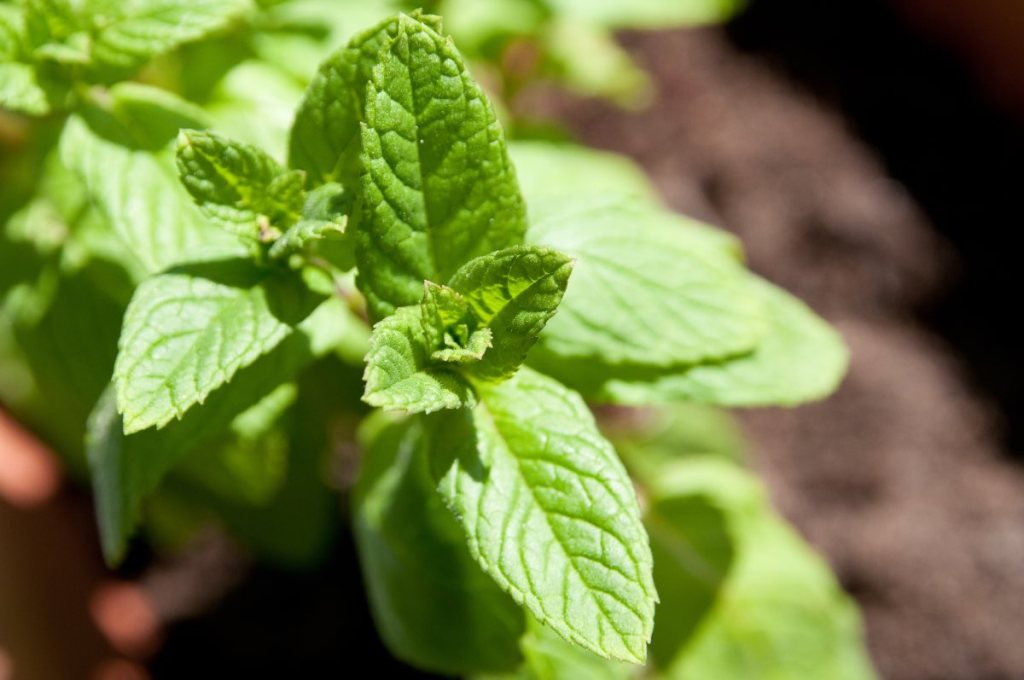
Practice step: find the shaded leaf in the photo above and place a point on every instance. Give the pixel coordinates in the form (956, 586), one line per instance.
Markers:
(126, 469)
(778, 612)
(417, 568)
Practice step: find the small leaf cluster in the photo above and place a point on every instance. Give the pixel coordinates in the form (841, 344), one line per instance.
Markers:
(467, 307)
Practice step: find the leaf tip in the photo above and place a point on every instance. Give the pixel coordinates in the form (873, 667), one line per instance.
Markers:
(113, 548)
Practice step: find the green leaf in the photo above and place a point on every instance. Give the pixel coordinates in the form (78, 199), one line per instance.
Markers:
(256, 103)
(693, 555)
(649, 14)
(479, 342)
(398, 371)
(443, 309)
(12, 33)
(251, 464)
(438, 187)
(303, 235)
(433, 606)
(138, 116)
(800, 359)
(137, 190)
(49, 21)
(325, 137)
(74, 52)
(239, 185)
(448, 325)
(298, 526)
(588, 60)
(188, 331)
(126, 468)
(21, 90)
(648, 288)
(321, 232)
(128, 33)
(328, 203)
(548, 656)
(66, 341)
(549, 171)
(650, 437)
(513, 292)
(777, 611)
(482, 28)
(549, 512)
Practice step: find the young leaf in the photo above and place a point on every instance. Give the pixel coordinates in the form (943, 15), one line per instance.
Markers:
(328, 203)
(647, 289)
(549, 512)
(800, 359)
(126, 468)
(325, 138)
(239, 185)
(324, 218)
(433, 605)
(302, 235)
(448, 325)
(398, 372)
(438, 187)
(190, 330)
(477, 344)
(513, 292)
(443, 308)
(128, 33)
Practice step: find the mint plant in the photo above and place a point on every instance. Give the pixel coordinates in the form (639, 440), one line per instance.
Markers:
(476, 313)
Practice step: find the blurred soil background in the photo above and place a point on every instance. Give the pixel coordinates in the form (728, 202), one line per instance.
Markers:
(868, 153)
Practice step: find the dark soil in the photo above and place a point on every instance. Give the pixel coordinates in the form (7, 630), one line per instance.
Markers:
(864, 173)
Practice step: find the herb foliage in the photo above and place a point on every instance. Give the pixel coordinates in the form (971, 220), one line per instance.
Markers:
(488, 292)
